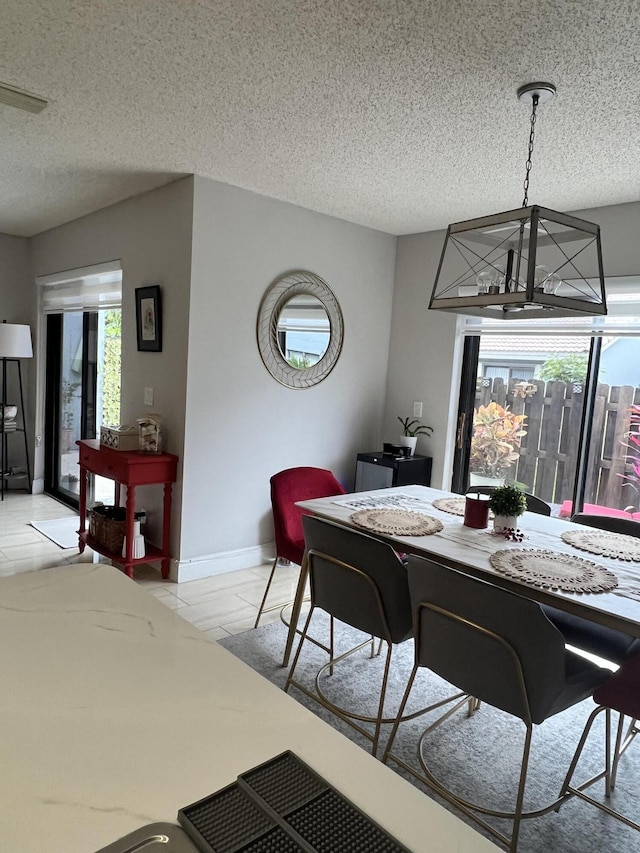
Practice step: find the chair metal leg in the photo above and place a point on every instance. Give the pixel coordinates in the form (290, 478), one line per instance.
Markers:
(396, 723)
(621, 745)
(568, 790)
(295, 610)
(459, 698)
(331, 644)
(523, 781)
(566, 785)
(266, 592)
(303, 637)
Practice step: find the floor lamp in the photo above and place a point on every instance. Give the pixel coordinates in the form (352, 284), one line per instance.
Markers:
(15, 343)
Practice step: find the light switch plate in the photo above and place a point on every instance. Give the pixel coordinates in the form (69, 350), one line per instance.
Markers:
(148, 396)
(417, 410)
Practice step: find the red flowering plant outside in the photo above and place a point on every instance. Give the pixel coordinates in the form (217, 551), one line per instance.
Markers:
(632, 477)
(496, 440)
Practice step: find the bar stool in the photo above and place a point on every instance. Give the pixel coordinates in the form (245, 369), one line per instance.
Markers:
(621, 693)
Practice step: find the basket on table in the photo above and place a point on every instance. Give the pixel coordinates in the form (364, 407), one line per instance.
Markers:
(108, 526)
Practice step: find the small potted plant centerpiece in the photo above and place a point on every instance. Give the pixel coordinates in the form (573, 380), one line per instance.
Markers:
(507, 503)
(411, 429)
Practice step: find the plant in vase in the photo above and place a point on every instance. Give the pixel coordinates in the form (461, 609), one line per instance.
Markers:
(507, 503)
(495, 443)
(411, 429)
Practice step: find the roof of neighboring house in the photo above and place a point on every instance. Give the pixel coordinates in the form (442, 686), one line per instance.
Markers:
(531, 344)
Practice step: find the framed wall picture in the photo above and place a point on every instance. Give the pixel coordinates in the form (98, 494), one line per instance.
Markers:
(149, 318)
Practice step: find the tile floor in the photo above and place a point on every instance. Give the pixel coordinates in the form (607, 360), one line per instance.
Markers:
(221, 605)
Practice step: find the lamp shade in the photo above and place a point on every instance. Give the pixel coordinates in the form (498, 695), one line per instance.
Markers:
(15, 341)
(532, 263)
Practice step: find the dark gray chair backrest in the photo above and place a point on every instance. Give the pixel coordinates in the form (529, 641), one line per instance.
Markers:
(463, 653)
(612, 523)
(534, 504)
(371, 573)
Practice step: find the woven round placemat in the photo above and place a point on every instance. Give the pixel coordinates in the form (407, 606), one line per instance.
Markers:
(550, 570)
(605, 543)
(397, 522)
(453, 505)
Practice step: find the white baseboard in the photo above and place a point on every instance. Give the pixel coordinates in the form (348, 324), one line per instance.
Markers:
(219, 564)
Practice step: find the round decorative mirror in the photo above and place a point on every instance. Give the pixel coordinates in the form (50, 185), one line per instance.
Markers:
(300, 329)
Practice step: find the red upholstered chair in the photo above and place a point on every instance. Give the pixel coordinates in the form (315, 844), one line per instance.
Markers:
(288, 487)
(620, 693)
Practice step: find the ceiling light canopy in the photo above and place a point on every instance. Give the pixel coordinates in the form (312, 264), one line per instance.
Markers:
(525, 263)
(21, 100)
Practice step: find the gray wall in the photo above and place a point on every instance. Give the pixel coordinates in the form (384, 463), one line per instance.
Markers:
(215, 249)
(151, 235)
(422, 364)
(424, 360)
(16, 296)
(242, 426)
(17, 301)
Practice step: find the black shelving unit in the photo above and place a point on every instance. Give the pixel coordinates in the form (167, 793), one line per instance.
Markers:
(23, 471)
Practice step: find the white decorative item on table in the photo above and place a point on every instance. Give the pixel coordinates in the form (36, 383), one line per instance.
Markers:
(121, 437)
(150, 434)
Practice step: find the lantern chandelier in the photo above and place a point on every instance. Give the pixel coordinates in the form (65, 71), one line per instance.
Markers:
(526, 263)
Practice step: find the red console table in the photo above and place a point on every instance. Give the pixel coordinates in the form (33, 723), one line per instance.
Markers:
(129, 468)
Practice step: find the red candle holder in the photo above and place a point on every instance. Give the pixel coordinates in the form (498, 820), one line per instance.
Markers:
(476, 511)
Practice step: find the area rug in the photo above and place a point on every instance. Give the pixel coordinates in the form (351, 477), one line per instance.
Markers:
(477, 756)
(62, 531)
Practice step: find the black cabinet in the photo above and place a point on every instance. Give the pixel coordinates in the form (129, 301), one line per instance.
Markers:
(382, 470)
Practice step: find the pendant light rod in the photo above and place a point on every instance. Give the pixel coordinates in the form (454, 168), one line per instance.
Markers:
(534, 94)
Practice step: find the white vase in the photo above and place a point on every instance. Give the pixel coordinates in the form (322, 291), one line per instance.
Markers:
(138, 543)
(409, 441)
(504, 522)
(483, 480)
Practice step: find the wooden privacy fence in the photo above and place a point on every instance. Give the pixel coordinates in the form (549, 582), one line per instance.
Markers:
(548, 454)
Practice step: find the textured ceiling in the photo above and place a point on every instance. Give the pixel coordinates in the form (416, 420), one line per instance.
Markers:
(396, 114)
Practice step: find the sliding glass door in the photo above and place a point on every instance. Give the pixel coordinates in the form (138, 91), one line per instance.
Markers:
(82, 393)
(556, 413)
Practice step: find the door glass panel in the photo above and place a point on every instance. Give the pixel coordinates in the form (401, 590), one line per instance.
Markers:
(613, 470)
(89, 394)
(70, 406)
(528, 413)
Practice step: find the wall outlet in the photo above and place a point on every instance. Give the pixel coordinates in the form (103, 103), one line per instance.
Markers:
(148, 396)
(417, 410)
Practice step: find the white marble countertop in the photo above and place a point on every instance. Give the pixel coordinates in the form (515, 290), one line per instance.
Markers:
(115, 713)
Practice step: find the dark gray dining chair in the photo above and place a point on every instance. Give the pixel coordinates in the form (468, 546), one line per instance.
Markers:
(360, 581)
(606, 643)
(499, 648)
(612, 523)
(534, 504)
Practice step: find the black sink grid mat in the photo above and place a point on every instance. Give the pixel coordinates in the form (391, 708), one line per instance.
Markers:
(283, 806)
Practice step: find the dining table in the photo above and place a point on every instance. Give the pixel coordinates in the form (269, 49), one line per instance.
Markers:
(470, 550)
